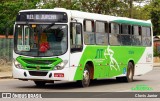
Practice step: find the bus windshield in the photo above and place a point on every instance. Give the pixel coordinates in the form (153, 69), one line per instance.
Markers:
(40, 40)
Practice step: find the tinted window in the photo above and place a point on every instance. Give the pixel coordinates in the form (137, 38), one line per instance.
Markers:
(101, 35)
(89, 36)
(136, 38)
(76, 37)
(146, 39)
(125, 35)
(114, 36)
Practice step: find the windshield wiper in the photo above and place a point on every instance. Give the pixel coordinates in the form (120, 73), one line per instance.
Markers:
(49, 26)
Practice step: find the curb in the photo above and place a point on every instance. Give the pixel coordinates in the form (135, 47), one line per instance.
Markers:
(6, 77)
(158, 65)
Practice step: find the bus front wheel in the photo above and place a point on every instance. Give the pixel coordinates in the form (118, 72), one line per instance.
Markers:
(86, 77)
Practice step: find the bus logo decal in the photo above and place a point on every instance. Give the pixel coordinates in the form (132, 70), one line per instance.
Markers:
(113, 62)
(38, 68)
(99, 53)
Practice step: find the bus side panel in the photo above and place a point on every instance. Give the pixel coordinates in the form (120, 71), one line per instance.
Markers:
(95, 55)
(75, 66)
(112, 61)
(145, 64)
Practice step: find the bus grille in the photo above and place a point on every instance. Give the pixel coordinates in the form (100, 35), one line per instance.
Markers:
(40, 62)
(40, 68)
(37, 73)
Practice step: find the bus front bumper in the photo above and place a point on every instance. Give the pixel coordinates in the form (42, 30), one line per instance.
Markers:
(23, 74)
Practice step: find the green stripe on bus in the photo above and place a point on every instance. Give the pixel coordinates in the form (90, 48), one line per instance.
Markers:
(132, 22)
(42, 63)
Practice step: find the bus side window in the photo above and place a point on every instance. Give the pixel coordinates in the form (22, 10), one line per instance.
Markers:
(89, 35)
(101, 33)
(146, 36)
(76, 37)
(125, 34)
(114, 36)
(136, 38)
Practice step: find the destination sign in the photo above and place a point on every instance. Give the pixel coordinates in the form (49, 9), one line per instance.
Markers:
(42, 16)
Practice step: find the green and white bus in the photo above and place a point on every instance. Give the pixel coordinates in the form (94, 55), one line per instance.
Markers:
(69, 45)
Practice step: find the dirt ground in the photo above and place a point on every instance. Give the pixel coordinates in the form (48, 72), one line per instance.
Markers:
(6, 67)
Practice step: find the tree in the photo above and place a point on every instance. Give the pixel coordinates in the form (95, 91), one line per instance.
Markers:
(155, 16)
(124, 8)
(9, 10)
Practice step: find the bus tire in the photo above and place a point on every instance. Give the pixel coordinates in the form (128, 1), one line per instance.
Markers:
(130, 73)
(40, 83)
(86, 77)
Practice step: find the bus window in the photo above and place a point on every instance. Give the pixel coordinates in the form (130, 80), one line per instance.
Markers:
(89, 36)
(146, 36)
(101, 35)
(50, 42)
(114, 36)
(88, 26)
(20, 32)
(130, 29)
(124, 29)
(114, 28)
(26, 38)
(76, 37)
(125, 36)
(136, 38)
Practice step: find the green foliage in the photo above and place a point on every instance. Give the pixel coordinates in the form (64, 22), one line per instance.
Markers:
(9, 10)
(125, 8)
(155, 52)
(155, 16)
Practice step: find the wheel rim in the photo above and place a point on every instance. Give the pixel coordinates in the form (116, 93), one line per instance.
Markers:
(86, 77)
(130, 74)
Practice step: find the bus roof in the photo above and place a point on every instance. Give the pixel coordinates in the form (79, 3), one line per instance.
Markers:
(120, 20)
(95, 16)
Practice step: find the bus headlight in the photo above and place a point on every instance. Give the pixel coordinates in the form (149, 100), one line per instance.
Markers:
(61, 65)
(17, 64)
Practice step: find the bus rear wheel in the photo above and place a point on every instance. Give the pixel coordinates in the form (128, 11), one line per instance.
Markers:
(86, 77)
(40, 83)
(129, 75)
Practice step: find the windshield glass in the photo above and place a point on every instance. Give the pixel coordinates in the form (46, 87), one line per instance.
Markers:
(40, 40)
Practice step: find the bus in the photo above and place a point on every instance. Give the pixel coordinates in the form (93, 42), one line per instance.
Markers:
(69, 45)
